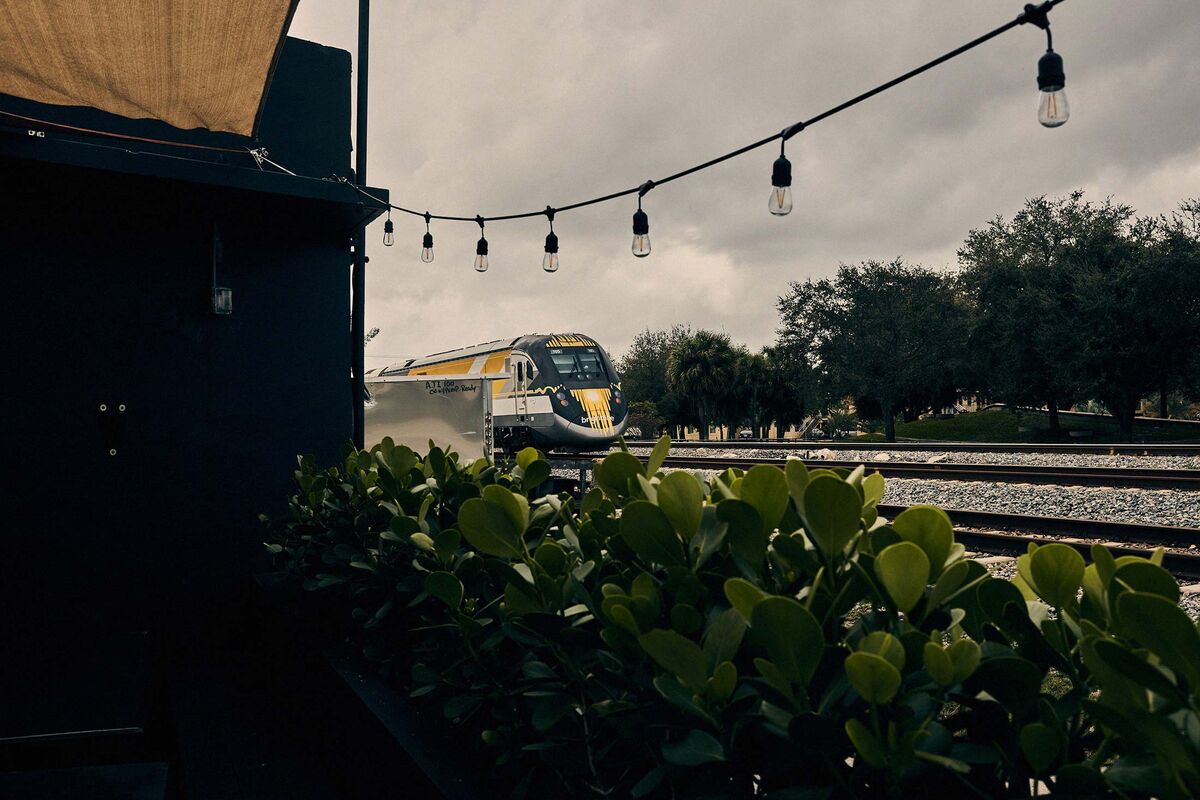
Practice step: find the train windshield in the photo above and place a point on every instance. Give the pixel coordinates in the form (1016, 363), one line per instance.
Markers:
(578, 363)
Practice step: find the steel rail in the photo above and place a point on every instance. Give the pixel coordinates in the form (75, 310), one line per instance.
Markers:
(1015, 532)
(1146, 449)
(1116, 477)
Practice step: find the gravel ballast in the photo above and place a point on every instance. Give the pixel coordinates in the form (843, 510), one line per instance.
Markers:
(944, 457)
(1147, 506)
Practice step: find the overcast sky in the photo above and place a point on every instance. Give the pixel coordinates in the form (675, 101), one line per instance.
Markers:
(495, 108)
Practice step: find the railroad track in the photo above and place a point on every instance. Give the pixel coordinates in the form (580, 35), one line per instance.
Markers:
(992, 532)
(1123, 477)
(1156, 449)
(1012, 533)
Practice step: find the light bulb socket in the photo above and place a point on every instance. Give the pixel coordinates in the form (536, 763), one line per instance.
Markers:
(427, 240)
(1051, 77)
(551, 242)
(481, 247)
(781, 172)
(641, 223)
(387, 226)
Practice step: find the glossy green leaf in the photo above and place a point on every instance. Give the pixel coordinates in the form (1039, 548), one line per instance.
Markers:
(536, 474)
(678, 655)
(873, 487)
(696, 748)
(745, 535)
(659, 454)
(515, 505)
(1057, 571)
(527, 456)
(1143, 576)
(884, 644)
(682, 500)
(867, 745)
(743, 596)
(1165, 630)
(489, 528)
(791, 635)
(797, 479)
(938, 664)
(723, 637)
(964, 655)
(948, 582)
(832, 510)
(873, 677)
(723, 682)
(615, 471)
(1040, 745)
(710, 537)
(648, 532)
(1138, 671)
(766, 489)
(445, 587)
(903, 569)
(929, 528)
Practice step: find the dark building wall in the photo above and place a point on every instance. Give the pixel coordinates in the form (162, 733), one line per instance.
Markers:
(107, 300)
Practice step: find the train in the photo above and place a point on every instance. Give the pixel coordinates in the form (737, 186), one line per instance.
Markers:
(556, 391)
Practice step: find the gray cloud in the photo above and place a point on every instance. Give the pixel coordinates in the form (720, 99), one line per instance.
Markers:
(504, 107)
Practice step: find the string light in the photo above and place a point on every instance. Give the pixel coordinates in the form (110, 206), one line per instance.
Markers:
(427, 242)
(481, 249)
(1052, 112)
(389, 231)
(641, 224)
(550, 260)
(780, 201)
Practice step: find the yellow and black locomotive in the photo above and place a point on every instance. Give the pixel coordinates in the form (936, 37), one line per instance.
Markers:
(557, 391)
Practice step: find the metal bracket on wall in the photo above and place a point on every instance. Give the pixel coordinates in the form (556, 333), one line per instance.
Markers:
(111, 420)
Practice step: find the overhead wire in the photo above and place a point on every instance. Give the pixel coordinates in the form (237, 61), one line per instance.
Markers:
(1035, 14)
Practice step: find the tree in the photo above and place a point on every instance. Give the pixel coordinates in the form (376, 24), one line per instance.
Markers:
(1138, 291)
(1025, 337)
(1170, 281)
(886, 332)
(644, 415)
(643, 371)
(792, 383)
(701, 370)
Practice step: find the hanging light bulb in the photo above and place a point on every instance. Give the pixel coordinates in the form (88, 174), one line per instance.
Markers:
(641, 224)
(1052, 100)
(780, 201)
(1052, 107)
(550, 260)
(389, 232)
(481, 249)
(427, 242)
(641, 234)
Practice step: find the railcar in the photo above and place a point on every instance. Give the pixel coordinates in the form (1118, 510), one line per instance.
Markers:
(554, 391)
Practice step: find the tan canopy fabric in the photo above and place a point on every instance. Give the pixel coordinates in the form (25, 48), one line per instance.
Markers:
(190, 63)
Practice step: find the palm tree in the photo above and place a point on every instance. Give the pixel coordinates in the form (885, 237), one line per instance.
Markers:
(701, 370)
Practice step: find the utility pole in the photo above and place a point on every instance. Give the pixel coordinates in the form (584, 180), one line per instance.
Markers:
(358, 278)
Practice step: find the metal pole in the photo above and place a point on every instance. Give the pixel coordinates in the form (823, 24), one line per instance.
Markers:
(358, 279)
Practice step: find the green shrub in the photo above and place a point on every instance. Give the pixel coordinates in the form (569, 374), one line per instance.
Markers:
(764, 634)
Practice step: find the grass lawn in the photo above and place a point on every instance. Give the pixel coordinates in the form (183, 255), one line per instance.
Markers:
(1002, 425)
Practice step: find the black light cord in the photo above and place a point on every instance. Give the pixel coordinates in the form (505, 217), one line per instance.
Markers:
(1033, 14)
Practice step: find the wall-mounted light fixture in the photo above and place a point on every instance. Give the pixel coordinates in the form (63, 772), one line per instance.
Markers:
(222, 296)
(222, 300)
